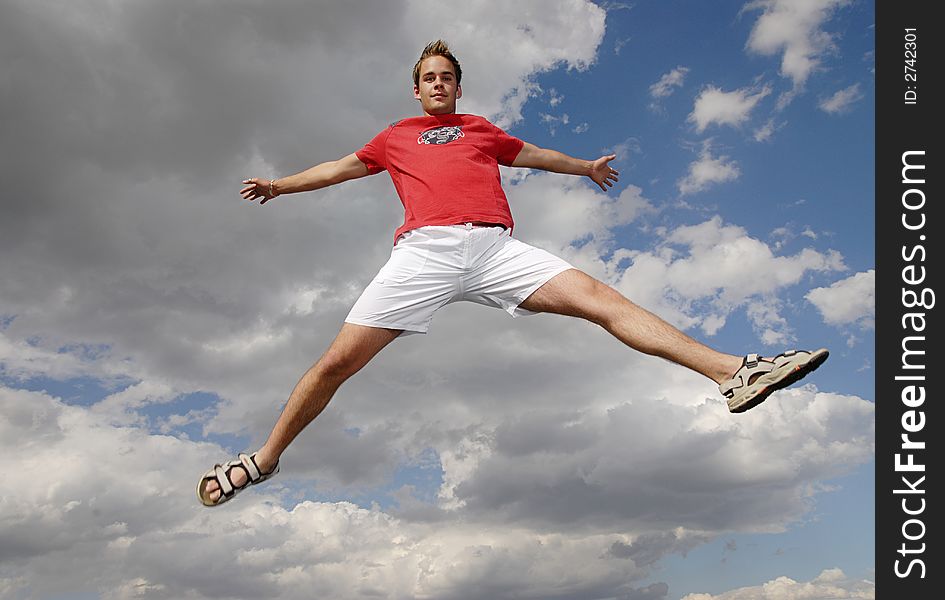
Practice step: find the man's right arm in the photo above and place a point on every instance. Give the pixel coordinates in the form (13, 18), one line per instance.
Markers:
(315, 178)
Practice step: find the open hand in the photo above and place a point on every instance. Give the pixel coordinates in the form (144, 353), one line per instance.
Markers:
(601, 172)
(258, 188)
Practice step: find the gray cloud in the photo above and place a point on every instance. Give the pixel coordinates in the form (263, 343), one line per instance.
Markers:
(680, 475)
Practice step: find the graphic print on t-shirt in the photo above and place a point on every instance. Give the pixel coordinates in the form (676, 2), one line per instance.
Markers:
(441, 135)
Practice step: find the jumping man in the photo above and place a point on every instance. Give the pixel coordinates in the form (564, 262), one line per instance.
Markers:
(456, 244)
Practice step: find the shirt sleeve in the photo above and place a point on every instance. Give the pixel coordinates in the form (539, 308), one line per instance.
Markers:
(374, 153)
(507, 147)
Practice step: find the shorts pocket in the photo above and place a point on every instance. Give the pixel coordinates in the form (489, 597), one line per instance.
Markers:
(406, 262)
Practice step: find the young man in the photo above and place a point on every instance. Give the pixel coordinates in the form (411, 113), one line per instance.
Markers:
(455, 244)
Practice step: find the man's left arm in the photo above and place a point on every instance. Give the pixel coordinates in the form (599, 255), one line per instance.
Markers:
(533, 157)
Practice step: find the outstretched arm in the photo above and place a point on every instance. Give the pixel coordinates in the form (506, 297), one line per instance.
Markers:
(319, 176)
(599, 170)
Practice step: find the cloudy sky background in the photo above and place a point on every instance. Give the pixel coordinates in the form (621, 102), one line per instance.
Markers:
(153, 323)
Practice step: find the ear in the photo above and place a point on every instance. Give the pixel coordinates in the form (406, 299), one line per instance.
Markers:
(416, 92)
(459, 92)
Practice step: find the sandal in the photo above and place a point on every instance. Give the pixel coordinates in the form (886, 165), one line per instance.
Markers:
(758, 377)
(221, 474)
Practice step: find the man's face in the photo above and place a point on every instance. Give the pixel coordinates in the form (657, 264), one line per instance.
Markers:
(437, 90)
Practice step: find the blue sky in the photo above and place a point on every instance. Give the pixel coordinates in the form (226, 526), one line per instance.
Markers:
(152, 323)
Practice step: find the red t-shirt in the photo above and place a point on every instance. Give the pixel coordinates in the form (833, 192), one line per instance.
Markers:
(445, 169)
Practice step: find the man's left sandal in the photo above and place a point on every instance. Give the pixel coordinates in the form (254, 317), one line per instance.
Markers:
(758, 377)
(221, 474)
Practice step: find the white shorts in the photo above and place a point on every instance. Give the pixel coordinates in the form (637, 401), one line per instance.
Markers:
(433, 266)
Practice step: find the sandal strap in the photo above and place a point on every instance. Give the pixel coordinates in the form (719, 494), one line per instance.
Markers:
(223, 480)
(249, 464)
(222, 473)
(786, 355)
(751, 365)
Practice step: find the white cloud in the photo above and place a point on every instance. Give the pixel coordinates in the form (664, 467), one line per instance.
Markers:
(767, 130)
(625, 149)
(619, 44)
(850, 301)
(120, 513)
(705, 280)
(842, 100)
(24, 359)
(122, 406)
(669, 82)
(555, 211)
(714, 106)
(795, 30)
(707, 171)
(554, 98)
(831, 583)
(552, 121)
(765, 316)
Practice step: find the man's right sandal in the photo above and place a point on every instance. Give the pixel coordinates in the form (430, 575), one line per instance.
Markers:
(221, 474)
(759, 377)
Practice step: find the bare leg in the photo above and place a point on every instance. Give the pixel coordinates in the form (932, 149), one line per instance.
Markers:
(577, 294)
(353, 348)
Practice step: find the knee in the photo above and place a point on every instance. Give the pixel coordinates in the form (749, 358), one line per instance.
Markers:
(604, 303)
(335, 367)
